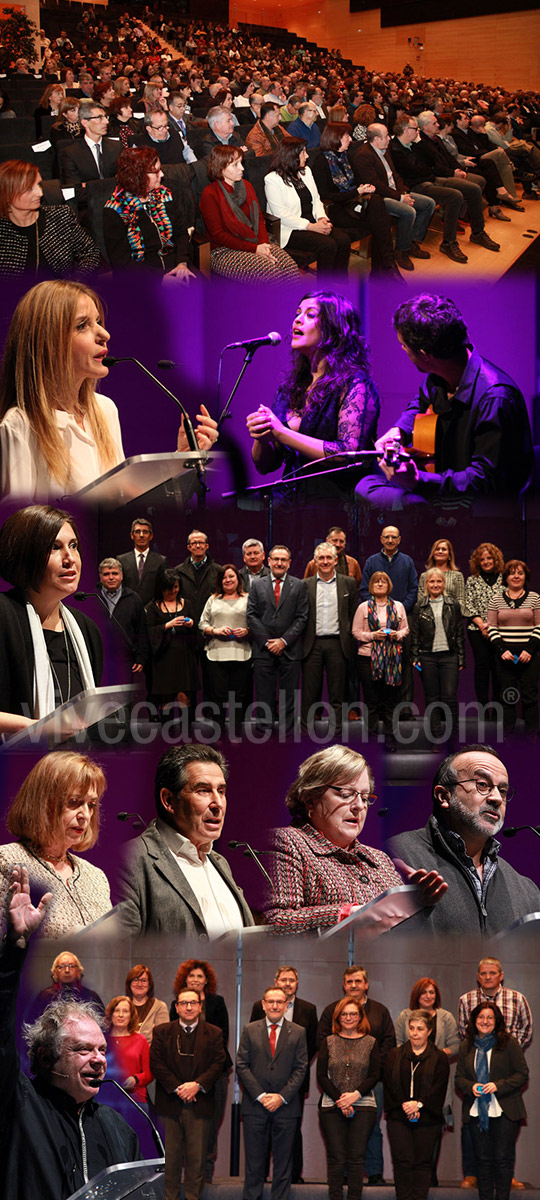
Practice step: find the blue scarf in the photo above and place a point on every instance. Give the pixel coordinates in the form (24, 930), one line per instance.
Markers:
(482, 1045)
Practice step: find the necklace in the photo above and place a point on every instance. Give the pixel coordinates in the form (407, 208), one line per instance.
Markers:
(55, 675)
(57, 858)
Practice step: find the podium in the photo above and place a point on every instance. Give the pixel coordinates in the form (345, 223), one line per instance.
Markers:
(143, 472)
(143, 1179)
(73, 717)
(380, 915)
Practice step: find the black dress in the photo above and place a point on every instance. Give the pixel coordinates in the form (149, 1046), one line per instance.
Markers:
(174, 665)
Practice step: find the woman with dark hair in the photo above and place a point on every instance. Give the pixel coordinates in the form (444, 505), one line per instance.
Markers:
(348, 1067)
(224, 626)
(491, 1073)
(48, 652)
(121, 121)
(328, 402)
(357, 209)
(513, 620)
(140, 990)
(6, 113)
(170, 633)
(292, 195)
(55, 817)
(235, 224)
(103, 94)
(66, 128)
(485, 580)
(130, 1049)
(142, 223)
(441, 555)
(363, 116)
(39, 237)
(438, 649)
(379, 626)
(224, 99)
(415, 1083)
(49, 104)
(426, 995)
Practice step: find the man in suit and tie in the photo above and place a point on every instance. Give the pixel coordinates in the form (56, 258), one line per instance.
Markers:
(177, 122)
(141, 565)
(253, 555)
(92, 156)
(172, 881)
(328, 643)
(187, 1057)
(303, 1013)
(276, 615)
(271, 1063)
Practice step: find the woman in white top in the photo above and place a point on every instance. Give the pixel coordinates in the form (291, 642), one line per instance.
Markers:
(55, 811)
(292, 195)
(379, 626)
(228, 647)
(56, 434)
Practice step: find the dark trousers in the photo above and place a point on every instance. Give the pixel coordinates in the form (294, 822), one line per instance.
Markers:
(325, 657)
(412, 1148)
(495, 1153)
(471, 192)
(451, 202)
(440, 673)
(373, 220)
(278, 1131)
(484, 667)
(331, 251)
(346, 1139)
(274, 671)
(186, 1145)
(519, 681)
(380, 697)
(225, 677)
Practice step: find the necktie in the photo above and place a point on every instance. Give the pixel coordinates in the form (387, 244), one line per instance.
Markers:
(273, 1036)
(100, 161)
(141, 565)
(277, 585)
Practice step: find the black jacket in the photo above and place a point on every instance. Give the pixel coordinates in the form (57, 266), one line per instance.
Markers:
(507, 1069)
(423, 628)
(78, 165)
(304, 1014)
(128, 618)
(145, 586)
(430, 1083)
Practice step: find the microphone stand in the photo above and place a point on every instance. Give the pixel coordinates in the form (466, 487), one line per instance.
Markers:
(225, 414)
(513, 829)
(249, 852)
(155, 1132)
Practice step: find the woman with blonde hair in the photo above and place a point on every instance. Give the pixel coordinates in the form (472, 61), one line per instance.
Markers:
(55, 812)
(57, 434)
(441, 555)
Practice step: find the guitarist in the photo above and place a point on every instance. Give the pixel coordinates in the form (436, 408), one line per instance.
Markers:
(482, 443)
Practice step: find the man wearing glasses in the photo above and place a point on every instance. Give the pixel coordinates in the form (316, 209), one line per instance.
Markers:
(187, 1057)
(92, 156)
(485, 894)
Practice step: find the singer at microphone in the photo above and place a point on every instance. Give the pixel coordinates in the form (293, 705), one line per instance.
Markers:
(67, 1054)
(327, 402)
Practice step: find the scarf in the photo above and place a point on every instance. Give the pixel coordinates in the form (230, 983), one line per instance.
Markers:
(385, 656)
(482, 1045)
(235, 199)
(129, 208)
(340, 169)
(44, 702)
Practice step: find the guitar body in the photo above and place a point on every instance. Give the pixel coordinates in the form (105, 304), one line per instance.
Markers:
(422, 446)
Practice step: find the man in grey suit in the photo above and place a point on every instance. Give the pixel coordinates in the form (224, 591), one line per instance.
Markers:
(328, 642)
(172, 880)
(271, 1064)
(141, 565)
(276, 616)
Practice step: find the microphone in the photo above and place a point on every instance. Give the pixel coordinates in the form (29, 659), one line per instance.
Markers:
(269, 339)
(60, 1074)
(249, 852)
(155, 1132)
(111, 361)
(513, 829)
(138, 823)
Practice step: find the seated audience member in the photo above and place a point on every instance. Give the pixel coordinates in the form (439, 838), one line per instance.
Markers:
(235, 224)
(49, 104)
(103, 93)
(122, 123)
(524, 155)
(6, 113)
(422, 178)
(486, 565)
(143, 223)
(494, 191)
(140, 990)
(266, 134)
(380, 626)
(372, 163)
(221, 131)
(483, 445)
(304, 126)
(159, 137)
(66, 128)
(363, 117)
(94, 155)
(352, 207)
(441, 555)
(513, 621)
(55, 812)
(472, 138)
(439, 160)
(292, 195)
(177, 122)
(36, 236)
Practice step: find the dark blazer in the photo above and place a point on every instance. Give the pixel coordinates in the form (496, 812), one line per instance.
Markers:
(347, 603)
(368, 168)
(284, 1073)
(17, 652)
(245, 573)
(128, 618)
(288, 621)
(430, 1084)
(197, 585)
(507, 1069)
(381, 1025)
(169, 151)
(156, 895)
(209, 1063)
(210, 140)
(78, 165)
(215, 1013)
(145, 586)
(304, 1014)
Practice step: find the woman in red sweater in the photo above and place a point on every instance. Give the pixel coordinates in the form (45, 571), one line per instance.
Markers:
(235, 224)
(130, 1050)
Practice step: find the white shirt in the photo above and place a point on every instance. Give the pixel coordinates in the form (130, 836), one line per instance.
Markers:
(326, 604)
(221, 913)
(24, 472)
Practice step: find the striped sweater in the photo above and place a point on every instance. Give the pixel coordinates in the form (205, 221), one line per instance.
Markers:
(514, 625)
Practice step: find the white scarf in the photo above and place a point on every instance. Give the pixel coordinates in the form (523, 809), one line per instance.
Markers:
(43, 698)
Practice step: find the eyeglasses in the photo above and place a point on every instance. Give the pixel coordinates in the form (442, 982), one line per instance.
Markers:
(485, 787)
(347, 793)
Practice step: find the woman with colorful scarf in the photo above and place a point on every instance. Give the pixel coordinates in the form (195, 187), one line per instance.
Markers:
(379, 626)
(354, 208)
(143, 224)
(491, 1073)
(235, 224)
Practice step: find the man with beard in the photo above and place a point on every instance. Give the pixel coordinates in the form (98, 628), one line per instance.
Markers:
(470, 794)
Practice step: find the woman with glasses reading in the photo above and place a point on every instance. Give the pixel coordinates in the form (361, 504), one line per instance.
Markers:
(320, 871)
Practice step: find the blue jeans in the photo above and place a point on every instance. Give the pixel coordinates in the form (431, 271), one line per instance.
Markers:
(412, 222)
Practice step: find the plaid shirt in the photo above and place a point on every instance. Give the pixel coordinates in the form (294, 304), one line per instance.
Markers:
(513, 1005)
(490, 855)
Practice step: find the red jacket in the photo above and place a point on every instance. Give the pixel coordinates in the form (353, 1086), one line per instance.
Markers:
(223, 227)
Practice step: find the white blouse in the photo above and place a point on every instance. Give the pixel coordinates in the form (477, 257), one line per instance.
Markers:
(24, 472)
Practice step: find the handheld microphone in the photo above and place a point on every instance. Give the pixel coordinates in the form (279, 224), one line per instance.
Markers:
(513, 829)
(269, 339)
(60, 1074)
